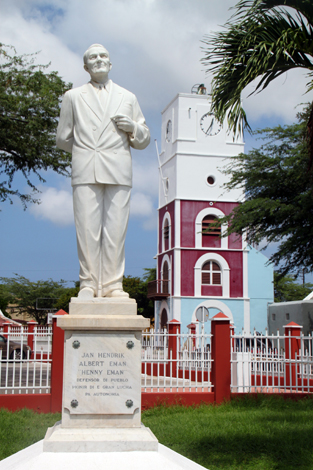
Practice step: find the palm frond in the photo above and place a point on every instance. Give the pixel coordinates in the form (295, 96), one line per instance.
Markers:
(263, 44)
(244, 7)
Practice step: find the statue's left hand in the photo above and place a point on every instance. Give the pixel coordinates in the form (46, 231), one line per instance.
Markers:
(125, 123)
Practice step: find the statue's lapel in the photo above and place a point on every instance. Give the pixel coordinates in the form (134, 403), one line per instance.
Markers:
(89, 96)
(115, 99)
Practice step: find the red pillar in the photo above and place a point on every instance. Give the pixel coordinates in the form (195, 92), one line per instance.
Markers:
(30, 337)
(6, 329)
(193, 328)
(221, 366)
(173, 328)
(292, 348)
(57, 365)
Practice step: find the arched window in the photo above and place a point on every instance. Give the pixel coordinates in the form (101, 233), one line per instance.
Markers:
(211, 231)
(165, 278)
(163, 323)
(166, 234)
(211, 274)
(166, 230)
(207, 235)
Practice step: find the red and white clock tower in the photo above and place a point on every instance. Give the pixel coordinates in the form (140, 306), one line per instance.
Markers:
(195, 266)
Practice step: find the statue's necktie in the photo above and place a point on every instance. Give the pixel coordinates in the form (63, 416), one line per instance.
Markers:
(102, 96)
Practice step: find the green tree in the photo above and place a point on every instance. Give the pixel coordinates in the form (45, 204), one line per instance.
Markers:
(137, 288)
(149, 275)
(64, 300)
(32, 297)
(29, 109)
(286, 289)
(278, 205)
(4, 300)
(261, 40)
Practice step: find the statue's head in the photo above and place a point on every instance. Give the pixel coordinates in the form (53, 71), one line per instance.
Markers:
(97, 62)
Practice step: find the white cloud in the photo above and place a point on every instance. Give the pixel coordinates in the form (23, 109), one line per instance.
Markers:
(56, 206)
(279, 99)
(141, 205)
(145, 174)
(155, 46)
(33, 34)
(151, 223)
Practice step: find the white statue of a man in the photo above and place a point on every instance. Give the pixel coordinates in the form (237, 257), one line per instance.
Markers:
(99, 122)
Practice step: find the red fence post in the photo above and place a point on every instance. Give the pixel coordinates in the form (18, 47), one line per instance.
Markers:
(6, 329)
(193, 328)
(30, 336)
(221, 366)
(292, 347)
(173, 327)
(57, 365)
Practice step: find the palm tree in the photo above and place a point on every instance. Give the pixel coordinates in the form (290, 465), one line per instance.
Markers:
(261, 40)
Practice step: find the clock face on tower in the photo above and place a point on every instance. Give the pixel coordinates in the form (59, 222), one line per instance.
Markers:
(168, 132)
(209, 125)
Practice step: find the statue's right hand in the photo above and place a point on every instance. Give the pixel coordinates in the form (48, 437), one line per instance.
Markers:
(123, 122)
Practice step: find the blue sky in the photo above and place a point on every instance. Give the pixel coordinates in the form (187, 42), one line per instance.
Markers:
(155, 49)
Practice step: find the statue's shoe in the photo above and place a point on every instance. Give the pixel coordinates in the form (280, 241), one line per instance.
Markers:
(117, 293)
(86, 293)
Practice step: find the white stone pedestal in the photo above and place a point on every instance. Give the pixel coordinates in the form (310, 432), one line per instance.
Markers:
(101, 406)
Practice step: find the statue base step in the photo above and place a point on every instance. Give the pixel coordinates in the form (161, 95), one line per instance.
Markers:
(103, 306)
(59, 439)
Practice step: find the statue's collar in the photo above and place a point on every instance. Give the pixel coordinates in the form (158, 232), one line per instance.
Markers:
(107, 84)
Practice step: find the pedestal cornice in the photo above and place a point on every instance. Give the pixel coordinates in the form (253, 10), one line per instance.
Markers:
(103, 322)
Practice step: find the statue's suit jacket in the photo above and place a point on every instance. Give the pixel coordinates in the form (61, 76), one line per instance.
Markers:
(100, 151)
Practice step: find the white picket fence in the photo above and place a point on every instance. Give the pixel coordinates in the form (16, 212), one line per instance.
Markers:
(175, 362)
(24, 370)
(171, 362)
(259, 364)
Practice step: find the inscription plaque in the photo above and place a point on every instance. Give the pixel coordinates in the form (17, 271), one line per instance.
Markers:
(103, 374)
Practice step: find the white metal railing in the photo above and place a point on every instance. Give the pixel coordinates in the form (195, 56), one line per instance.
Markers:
(25, 360)
(170, 362)
(175, 362)
(263, 363)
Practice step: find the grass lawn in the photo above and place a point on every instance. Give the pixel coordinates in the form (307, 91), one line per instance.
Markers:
(260, 434)
(22, 428)
(266, 433)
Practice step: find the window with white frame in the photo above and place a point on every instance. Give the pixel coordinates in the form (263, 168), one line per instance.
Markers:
(210, 270)
(208, 230)
(163, 319)
(166, 232)
(165, 278)
(211, 274)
